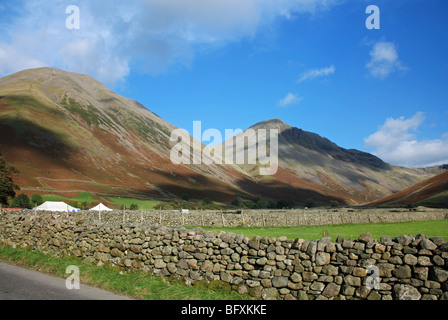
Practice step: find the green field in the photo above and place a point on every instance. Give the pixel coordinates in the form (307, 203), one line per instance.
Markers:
(82, 197)
(377, 230)
(119, 201)
(142, 204)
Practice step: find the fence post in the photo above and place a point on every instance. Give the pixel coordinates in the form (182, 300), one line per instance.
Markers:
(242, 216)
(222, 219)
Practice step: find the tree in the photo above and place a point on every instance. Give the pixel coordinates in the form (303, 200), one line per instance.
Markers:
(36, 199)
(260, 203)
(309, 202)
(281, 204)
(21, 201)
(236, 203)
(334, 203)
(7, 186)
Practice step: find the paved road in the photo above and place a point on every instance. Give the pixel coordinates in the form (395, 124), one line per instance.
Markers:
(22, 284)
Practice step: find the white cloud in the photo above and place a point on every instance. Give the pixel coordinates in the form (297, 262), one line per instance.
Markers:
(148, 36)
(395, 142)
(289, 99)
(19, 60)
(315, 73)
(384, 60)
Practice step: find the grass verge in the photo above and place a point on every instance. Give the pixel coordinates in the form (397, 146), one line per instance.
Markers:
(138, 284)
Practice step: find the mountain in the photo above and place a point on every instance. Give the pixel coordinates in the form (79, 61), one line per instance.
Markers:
(309, 161)
(67, 133)
(432, 192)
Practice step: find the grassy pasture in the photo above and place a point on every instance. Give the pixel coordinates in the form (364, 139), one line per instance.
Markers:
(142, 204)
(81, 197)
(377, 230)
(89, 199)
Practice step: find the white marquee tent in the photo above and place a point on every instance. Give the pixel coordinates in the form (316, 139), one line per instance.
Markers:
(100, 207)
(56, 206)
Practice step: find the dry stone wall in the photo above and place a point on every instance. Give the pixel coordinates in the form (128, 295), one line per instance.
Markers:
(266, 218)
(402, 268)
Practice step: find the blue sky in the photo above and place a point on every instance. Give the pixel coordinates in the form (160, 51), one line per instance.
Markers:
(231, 64)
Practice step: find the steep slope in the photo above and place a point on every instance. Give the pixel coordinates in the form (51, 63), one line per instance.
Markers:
(67, 132)
(431, 192)
(309, 161)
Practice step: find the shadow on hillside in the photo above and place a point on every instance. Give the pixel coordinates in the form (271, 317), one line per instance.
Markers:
(16, 133)
(202, 187)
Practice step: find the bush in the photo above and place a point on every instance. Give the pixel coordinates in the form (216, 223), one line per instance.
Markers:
(36, 200)
(133, 207)
(207, 201)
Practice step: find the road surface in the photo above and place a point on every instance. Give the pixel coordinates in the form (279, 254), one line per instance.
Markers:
(17, 283)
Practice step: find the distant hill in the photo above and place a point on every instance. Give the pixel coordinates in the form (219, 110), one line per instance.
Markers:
(67, 133)
(432, 192)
